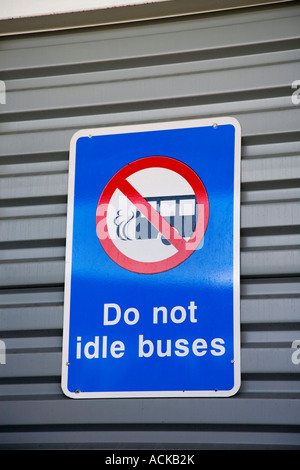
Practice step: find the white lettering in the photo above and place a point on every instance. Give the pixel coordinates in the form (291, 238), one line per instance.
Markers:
(112, 315)
(117, 349)
(116, 460)
(182, 349)
(95, 349)
(104, 347)
(192, 307)
(155, 314)
(135, 318)
(218, 349)
(117, 318)
(147, 342)
(171, 459)
(175, 317)
(91, 349)
(198, 345)
(78, 348)
(182, 316)
(168, 349)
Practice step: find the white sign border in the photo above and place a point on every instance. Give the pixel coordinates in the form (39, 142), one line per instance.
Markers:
(181, 124)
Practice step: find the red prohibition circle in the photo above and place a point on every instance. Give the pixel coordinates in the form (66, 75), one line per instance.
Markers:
(184, 248)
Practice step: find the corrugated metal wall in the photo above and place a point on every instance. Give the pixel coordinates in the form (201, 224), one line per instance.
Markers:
(238, 63)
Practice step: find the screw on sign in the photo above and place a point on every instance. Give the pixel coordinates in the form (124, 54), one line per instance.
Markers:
(152, 215)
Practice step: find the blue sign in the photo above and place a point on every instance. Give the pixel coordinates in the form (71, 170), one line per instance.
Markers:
(152, 261)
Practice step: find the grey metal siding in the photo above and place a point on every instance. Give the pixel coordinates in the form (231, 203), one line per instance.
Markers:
(240, 64)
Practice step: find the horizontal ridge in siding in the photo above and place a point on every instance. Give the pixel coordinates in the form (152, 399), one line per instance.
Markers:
(135, 42)
(34, 170)
(151, 436)
(150, 61)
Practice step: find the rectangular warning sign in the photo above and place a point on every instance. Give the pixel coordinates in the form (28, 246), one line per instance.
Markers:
(152, 261)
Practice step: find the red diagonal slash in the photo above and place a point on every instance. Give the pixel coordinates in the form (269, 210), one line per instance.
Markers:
(152, 215)
(183, 248)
